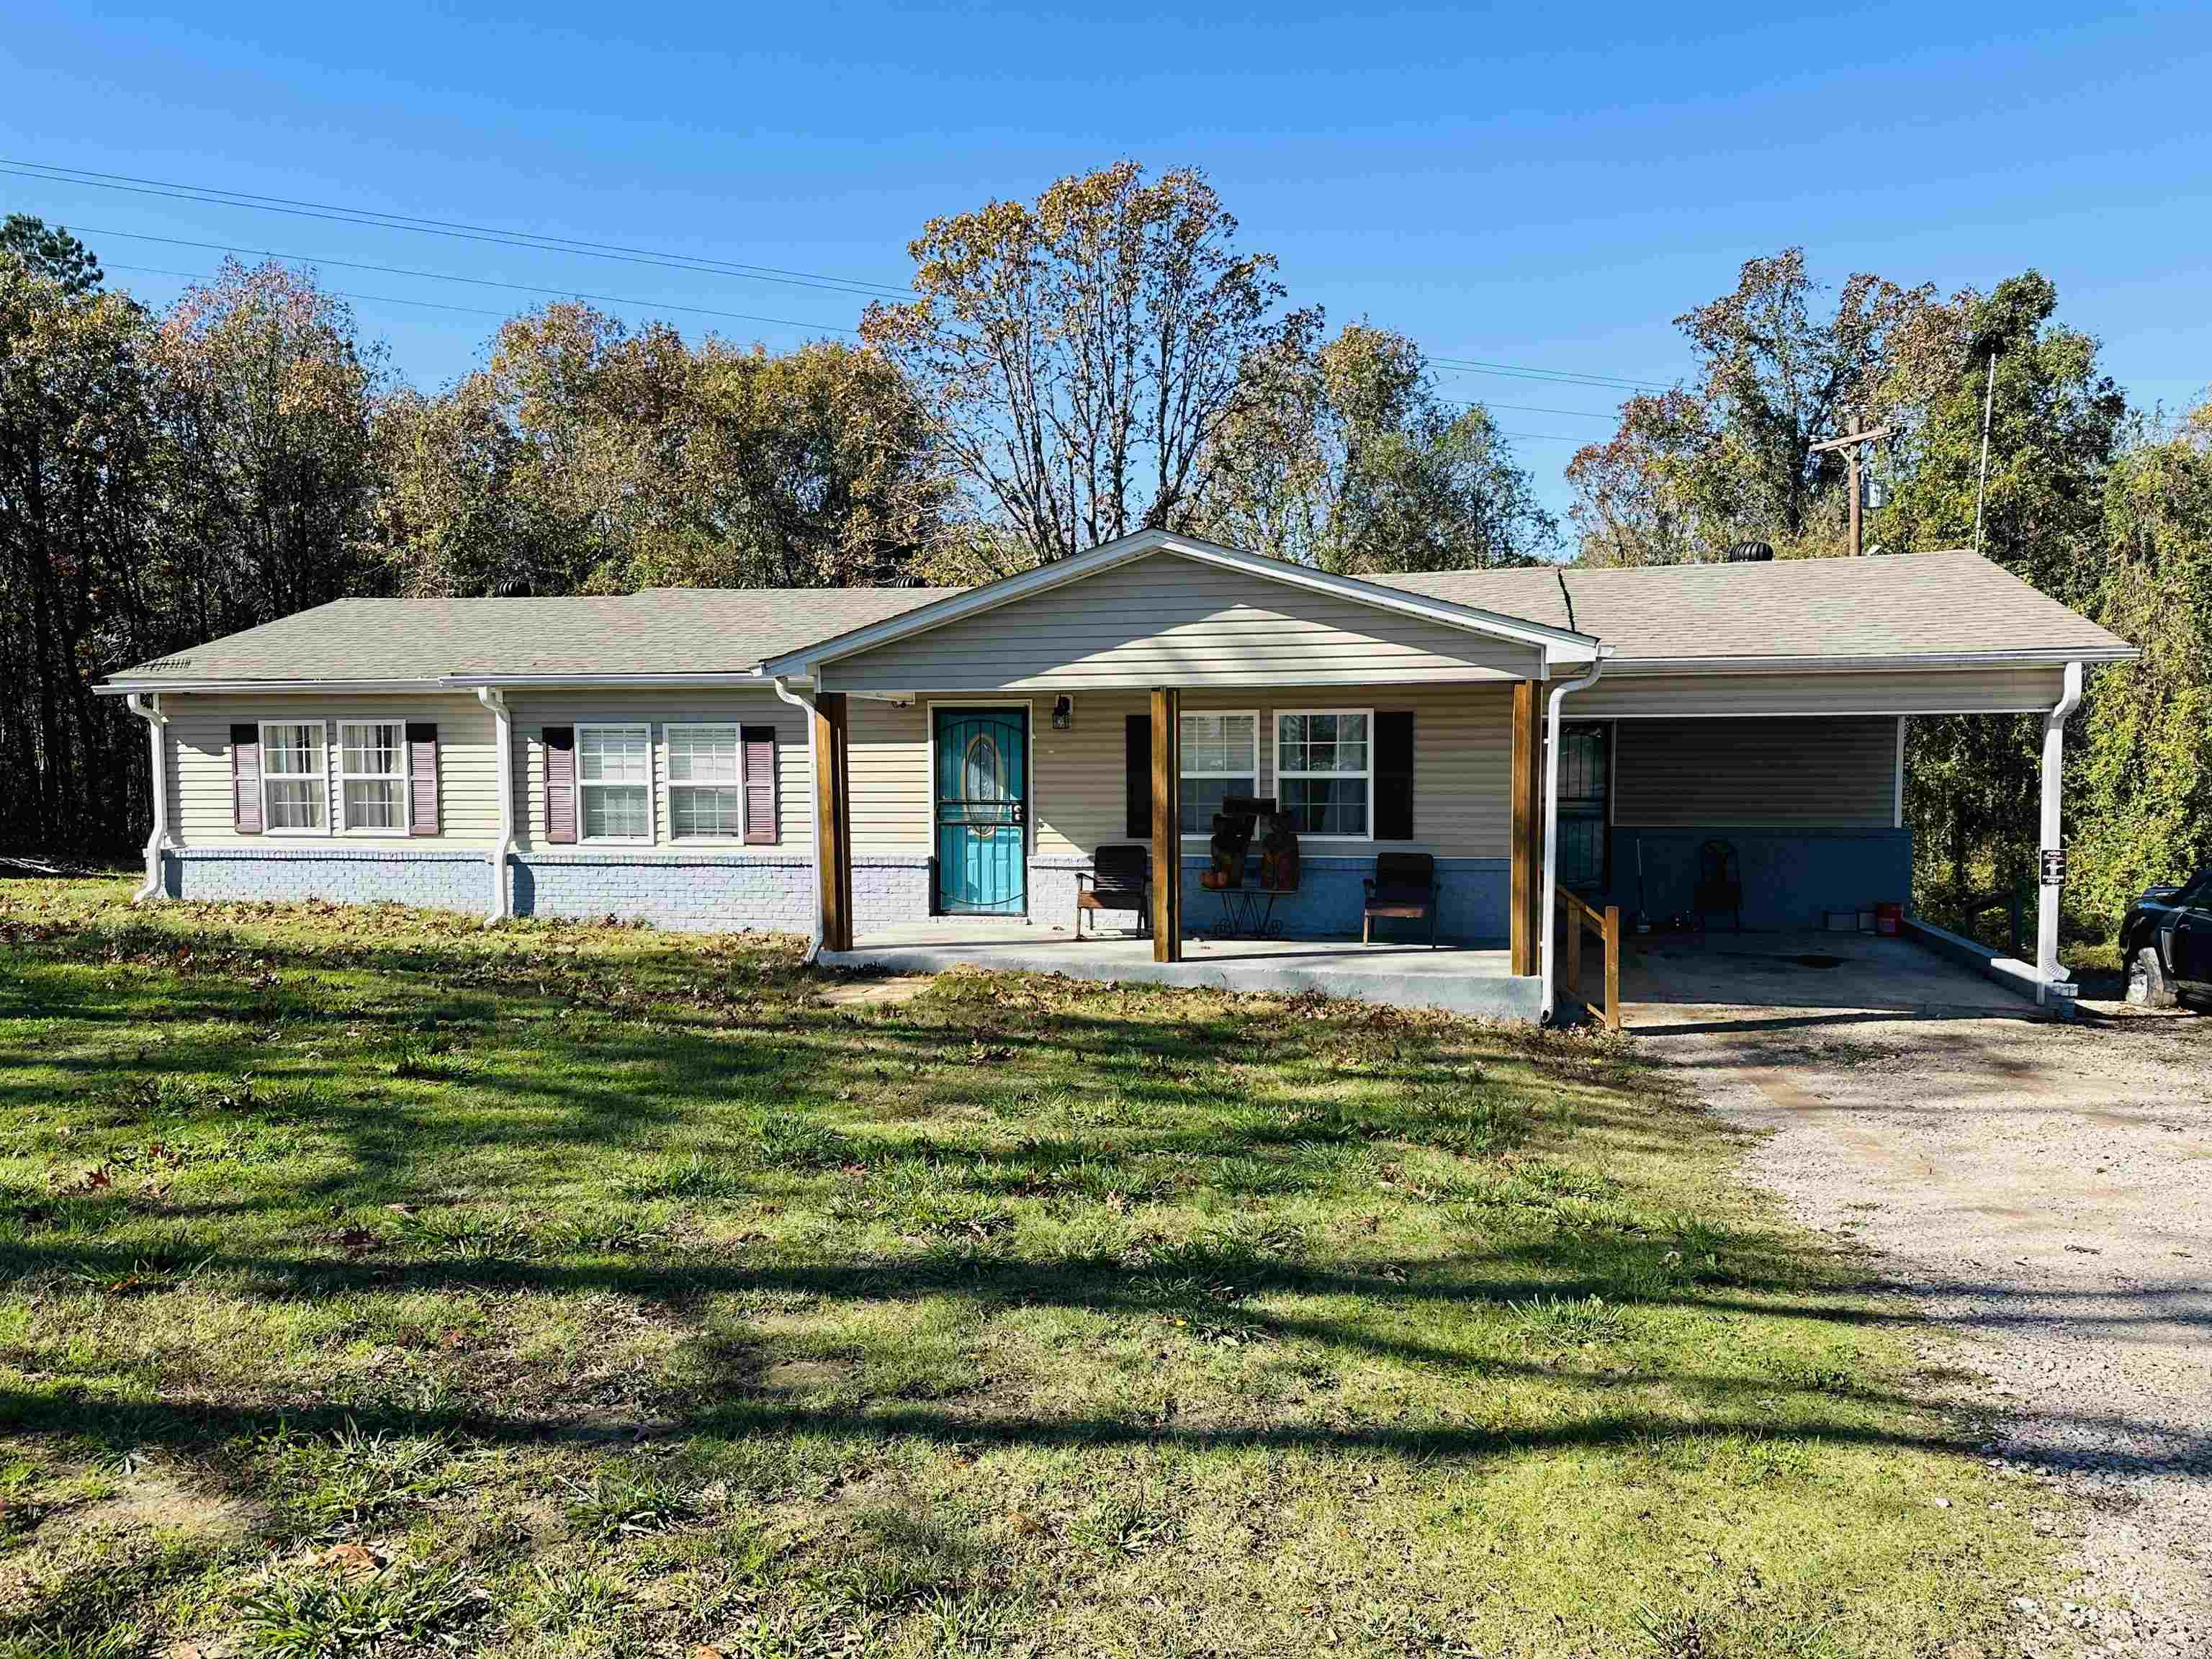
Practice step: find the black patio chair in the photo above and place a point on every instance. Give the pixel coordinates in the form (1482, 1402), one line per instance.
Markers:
(1720, 883)
(1404, 884)
(1119, 878)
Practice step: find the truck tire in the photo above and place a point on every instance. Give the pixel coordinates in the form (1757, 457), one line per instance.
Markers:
(2147, 985)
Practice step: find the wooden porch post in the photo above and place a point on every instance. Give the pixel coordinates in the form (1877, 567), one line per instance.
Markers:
(1527, 828)
(833, 797)
(1167, 825)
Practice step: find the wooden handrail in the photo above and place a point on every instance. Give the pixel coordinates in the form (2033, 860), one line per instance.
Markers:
(1579, 915)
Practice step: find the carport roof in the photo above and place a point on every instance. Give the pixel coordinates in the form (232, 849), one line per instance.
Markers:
(1933, 606)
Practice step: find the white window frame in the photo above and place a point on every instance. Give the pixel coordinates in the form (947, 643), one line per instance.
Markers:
(668, 731)
(269, 825)
(652, 769)
(404, 778)
(1281, 715)
(1183, 772)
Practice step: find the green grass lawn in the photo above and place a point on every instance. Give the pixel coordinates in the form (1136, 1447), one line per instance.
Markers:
(379, 1282)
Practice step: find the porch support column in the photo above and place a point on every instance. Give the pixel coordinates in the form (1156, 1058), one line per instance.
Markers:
(1167, 825)
(1528, 827)
(2050, 841)
(833, 819)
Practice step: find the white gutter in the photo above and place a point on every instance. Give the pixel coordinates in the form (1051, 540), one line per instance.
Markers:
(158, 786)
(1548, 927)
(503, 741)
(2047, 971)
(804, 704)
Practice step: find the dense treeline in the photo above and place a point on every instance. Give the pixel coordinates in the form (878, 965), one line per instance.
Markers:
(1105, 359)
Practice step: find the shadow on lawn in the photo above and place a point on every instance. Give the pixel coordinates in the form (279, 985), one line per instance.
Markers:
(651, 1048)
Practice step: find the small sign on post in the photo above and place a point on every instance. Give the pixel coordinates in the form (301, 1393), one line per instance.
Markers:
(2052, 866)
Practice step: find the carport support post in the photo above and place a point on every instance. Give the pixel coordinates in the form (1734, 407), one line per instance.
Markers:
(1167, 825)
(1527, 828)
(2051, 841)
(833, 819)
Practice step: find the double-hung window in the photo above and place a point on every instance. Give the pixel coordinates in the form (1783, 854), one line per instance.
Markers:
(705, 783)
(1220, 758)
(614, 775)
(1324, 771)
(373, 775)
(295, 782)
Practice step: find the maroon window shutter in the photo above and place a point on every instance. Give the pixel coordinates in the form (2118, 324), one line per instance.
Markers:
(423, 777)
(560, 783)
(759, 743)
(245, 778)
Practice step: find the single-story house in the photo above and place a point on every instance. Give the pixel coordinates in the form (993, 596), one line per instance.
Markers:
(843, 762)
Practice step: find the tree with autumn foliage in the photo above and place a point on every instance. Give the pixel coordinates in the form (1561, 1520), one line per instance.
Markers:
(1079, 357)
(1343, 456)
(589, 457)
(1728, 458)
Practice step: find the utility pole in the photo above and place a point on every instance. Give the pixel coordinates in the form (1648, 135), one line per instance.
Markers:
(1849, 443)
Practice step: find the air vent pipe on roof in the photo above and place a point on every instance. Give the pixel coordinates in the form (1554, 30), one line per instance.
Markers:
(1749, 553)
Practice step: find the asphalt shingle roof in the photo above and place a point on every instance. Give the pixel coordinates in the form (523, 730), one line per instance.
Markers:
(1934, 604)
(1907, 604)
(662, 630)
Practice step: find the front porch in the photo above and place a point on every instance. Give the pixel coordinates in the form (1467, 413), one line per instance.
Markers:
(1454, 979)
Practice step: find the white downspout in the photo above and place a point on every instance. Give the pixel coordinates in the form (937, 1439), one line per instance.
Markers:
(1547, 926)
(2047, 973)
(804, 704)
(503, 744)
(148, 707)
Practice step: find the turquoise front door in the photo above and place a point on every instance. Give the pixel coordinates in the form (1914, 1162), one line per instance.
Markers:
(981, 808)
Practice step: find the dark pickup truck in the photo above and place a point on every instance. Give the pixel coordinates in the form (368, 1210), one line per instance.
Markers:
(2166, 943)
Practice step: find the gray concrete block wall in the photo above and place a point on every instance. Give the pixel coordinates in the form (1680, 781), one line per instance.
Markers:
(703, 892)
(446, 880)
(696, 893)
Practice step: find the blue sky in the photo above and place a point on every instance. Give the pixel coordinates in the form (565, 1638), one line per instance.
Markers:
(1543, 186)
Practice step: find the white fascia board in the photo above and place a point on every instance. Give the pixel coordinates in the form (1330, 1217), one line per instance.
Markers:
(117, 688)
(1563, 647)
(1948, 661)
(741, 677)
(450, 682)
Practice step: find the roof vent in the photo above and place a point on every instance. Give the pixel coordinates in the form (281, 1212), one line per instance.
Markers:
(1749, 553)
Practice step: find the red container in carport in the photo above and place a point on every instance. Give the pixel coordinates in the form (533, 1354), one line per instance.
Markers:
(1889, 920)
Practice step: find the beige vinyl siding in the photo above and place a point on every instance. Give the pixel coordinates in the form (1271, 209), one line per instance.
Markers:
(888, 767)
(1171, 620)
(1462, 751)
(1813, 773)
(200, 764)
(534, 711)
(1915, 691)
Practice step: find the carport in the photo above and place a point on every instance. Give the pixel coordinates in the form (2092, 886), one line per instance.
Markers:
(1673, 983)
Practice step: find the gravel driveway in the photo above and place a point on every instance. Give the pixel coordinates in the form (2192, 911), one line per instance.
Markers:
(2046, 1190)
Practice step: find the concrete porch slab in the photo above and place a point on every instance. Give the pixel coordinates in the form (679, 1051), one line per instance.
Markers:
(1457, 980)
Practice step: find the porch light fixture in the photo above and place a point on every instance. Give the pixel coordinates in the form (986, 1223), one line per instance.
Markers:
(1063, 713)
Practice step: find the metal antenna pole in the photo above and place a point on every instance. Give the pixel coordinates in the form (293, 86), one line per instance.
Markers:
(1988, 397)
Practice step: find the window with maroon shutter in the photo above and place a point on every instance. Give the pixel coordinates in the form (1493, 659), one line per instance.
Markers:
(423, 777)
(1393, 774)
(245, 778)
(760, 784)
(1137, 777)
(560, 783)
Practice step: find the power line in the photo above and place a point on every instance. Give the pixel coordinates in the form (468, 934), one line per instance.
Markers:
(338, 213)
(343, 294)
(474, 282)
(1525, 372)
(480, 311)
(297, 207)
